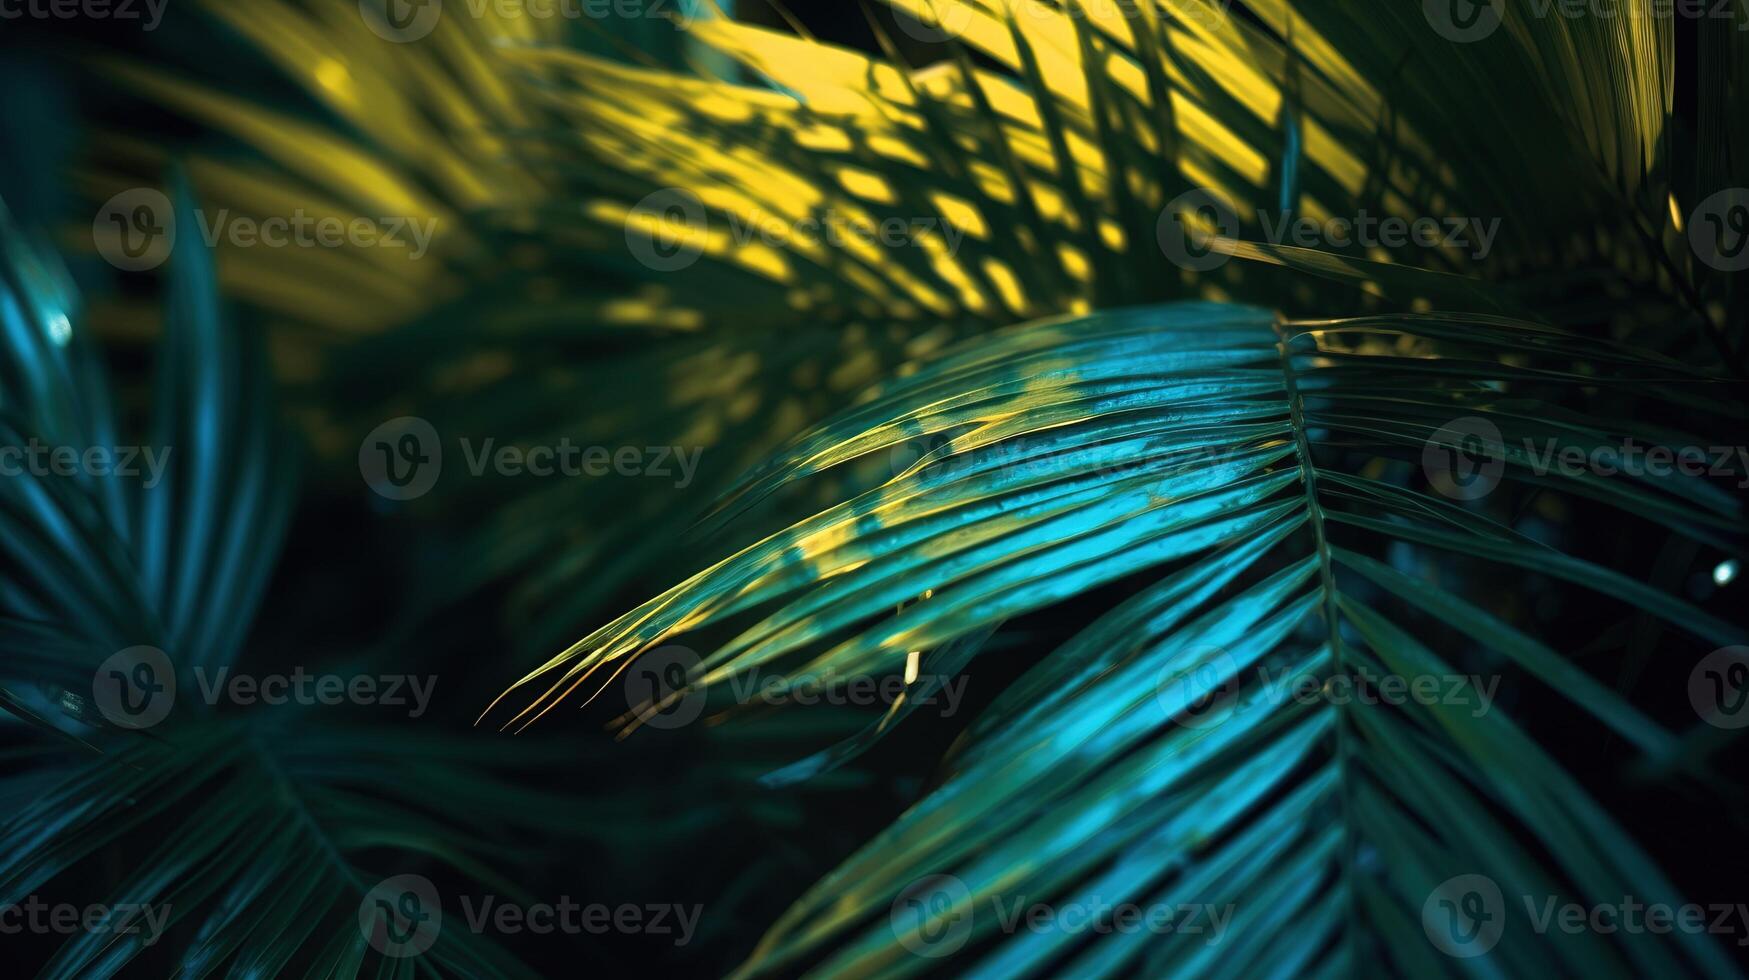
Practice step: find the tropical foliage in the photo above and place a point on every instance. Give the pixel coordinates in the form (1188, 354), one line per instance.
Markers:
(1176, 488)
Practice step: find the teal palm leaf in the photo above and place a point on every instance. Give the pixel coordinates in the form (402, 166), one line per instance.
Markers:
(1254, 480)
(1261, 479)
(251, 832)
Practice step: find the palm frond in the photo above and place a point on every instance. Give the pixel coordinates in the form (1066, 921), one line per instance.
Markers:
(1264, 472)
(227, 810)
(1045, 144)
(1251, 476)
(126, 559)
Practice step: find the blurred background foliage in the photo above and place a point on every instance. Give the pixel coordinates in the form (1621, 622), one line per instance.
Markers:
(1051, 136)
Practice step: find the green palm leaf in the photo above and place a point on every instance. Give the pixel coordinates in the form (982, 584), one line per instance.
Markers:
(1262, 473)
(1253, 478)
(249, 834)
